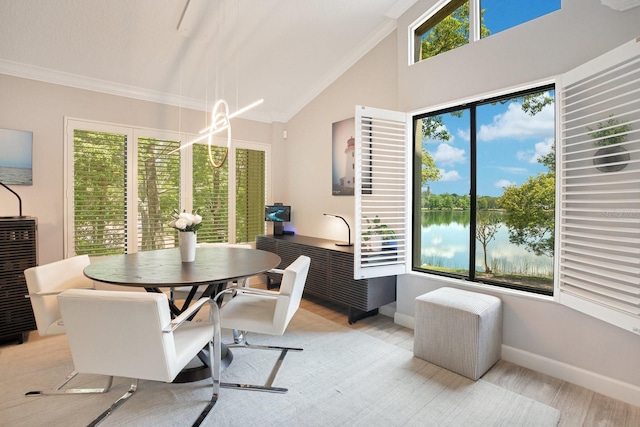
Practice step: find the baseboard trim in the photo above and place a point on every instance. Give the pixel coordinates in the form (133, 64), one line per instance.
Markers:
(611, 387)
(404, 320)
(388, 310)
(607, 386)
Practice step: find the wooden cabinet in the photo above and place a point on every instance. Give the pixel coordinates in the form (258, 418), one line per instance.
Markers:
(331, 273)
(17, 253)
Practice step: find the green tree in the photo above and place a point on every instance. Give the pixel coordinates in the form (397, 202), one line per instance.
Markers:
(487, 226)
(533, 103)
(450, 33)
(429, 170)
(530, 210)
(99, 184)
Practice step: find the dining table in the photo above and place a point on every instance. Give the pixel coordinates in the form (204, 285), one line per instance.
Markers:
(162, 269)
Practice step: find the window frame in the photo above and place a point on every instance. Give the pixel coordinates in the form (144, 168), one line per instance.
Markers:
(416, 190)
(437, 13)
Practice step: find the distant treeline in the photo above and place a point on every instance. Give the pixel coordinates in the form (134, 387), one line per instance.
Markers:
(448, 201)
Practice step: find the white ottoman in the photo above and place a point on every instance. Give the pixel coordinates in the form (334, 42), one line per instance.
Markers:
(458, 330)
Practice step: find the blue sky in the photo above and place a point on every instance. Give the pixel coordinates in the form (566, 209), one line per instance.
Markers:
(15, 148)
(510, 142)
(503, 14)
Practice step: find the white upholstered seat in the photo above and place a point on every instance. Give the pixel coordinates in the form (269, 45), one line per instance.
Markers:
(131, 334)
(265, 312)
(44, 283)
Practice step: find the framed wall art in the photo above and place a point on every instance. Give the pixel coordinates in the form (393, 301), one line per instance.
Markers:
(343, 158)
(16, 147)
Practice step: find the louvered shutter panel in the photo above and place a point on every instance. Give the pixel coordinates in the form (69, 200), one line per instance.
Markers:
(99, 217)
(158, 193)
(250, 194)
(381, 193)
(211, 195)
(599, 250)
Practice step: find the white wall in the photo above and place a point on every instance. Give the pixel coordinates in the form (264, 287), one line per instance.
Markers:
(41, 108)
(371, 82)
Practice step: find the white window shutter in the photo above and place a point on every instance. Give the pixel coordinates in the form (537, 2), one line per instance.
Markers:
(382, 232)
(599, 229)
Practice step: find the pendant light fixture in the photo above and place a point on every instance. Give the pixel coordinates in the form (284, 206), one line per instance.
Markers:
(220, 117)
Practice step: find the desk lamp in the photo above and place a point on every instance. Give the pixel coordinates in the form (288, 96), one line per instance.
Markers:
(348, 229)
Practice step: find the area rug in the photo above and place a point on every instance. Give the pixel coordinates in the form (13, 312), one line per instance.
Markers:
(343, 377)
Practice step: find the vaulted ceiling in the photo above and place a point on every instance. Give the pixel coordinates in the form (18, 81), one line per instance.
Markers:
(193, 52)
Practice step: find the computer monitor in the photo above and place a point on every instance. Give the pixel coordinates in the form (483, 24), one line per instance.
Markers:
(277, 213)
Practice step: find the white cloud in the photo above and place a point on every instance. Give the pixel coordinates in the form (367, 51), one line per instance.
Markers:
(502, 183)
(446, 154)
(451, 175)
(541, 149)
(515, 123)
(464, 134)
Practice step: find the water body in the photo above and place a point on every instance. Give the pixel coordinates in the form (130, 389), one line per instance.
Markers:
(445, 244)
(19, 176)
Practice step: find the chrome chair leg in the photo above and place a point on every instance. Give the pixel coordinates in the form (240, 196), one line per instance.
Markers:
(240, 341)
(59, 391)
(215, 363)
(132, 389)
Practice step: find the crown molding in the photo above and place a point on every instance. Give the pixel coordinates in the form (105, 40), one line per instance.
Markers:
(46, 75)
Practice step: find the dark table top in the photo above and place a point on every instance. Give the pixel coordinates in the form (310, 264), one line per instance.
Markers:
(164, 268)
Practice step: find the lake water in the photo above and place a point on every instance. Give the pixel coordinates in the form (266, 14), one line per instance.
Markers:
(447, 245)
(20, 176)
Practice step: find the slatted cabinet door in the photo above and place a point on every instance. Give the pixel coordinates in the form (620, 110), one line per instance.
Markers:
(17, 253)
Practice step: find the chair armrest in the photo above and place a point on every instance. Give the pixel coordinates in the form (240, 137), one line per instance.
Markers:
(276, 270)
(185, 315)
(257, 292)
(244, 291)
(44, 294)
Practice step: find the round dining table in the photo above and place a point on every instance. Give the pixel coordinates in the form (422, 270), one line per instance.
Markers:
(163, 268)
(156, 270)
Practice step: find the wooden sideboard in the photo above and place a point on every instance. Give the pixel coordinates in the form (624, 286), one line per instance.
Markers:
(331, 274)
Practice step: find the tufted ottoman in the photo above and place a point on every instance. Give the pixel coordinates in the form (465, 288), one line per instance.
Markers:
(458, 330)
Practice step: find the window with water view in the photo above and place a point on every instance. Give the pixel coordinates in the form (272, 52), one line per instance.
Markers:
(486, 204)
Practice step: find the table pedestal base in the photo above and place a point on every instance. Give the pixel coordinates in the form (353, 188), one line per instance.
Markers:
(202, 372)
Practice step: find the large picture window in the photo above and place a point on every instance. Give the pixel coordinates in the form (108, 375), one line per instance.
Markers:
(484, 191)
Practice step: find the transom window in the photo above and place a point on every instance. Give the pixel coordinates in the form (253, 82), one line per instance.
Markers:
(454, 23)
(484, 191)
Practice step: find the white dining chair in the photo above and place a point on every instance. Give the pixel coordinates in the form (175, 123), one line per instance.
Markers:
(44, 283)
(131, 334)
(264, 312)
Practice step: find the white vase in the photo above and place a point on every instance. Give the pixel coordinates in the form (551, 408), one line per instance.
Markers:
(188, 246)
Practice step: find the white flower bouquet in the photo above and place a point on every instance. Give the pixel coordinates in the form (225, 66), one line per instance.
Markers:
(183, 221)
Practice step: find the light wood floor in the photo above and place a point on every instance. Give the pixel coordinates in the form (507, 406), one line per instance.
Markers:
(578, 405)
